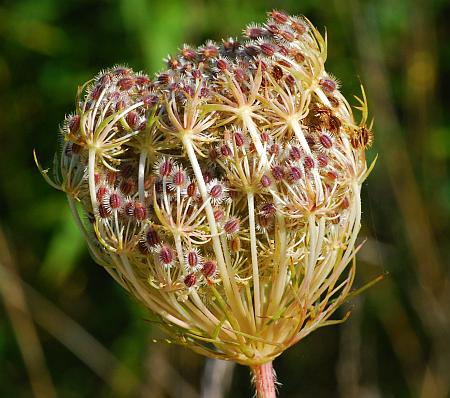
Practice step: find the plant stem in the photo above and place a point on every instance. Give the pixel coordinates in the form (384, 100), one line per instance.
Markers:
(264, 380)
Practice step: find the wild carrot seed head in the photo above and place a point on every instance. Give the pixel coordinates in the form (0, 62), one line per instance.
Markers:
(225, 191)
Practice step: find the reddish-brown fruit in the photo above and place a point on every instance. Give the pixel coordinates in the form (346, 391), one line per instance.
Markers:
(255, 32)
(74, 124)
(328, 85)
(209, 268)
(273, 29)
(104, 211)
(332, 175)
(150, 100)
(192, 258)
(265, 181)
(290, 80)
(295, 153)
(179, 178)
(345, 203)
(210, 52)
(235, 244)
(278, 16)
(188, 54)
(277, 72)
(106, 78)
(191, 190)
(164, 78)
(127, 186)
(204, 92)
(115, 201)
(299, 27)
(166, 255)
(139, 211)
(225, 150)
(230, 45)
(222, 64)
(126, 83)
(322, 160)
(277, 172)
(326, 141)
(151, 237)
(111, 177)
(216, 191)
(298, 56)
(101, 193)
(267, 49)
(283, 50)
(239, 74)
(295, 173)
(239, 139)
(142, 80)
(189, 90)
(97, 91)
(267, 209)
(165, 168)
(218, 214)
(264, 222)
(288, 36)
(196, 74)
(173, 63)
(265, 137)
(308, 162)
(207, 176)
(132, 119)
(333, 101)
(121, 71)
(232, 226)
(120, 105)
(190, 280)
(274, 149)
(129, 208)
(251, 50)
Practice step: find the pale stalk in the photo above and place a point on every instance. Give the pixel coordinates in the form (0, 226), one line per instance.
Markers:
(229, 286)
(91, 176)
(356, 224)
(254, 133)
(253, 248)
(280, 278)
(322, 97)
(295, 125)
(141, 175)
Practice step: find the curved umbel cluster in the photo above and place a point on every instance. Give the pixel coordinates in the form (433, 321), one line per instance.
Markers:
(224, 194)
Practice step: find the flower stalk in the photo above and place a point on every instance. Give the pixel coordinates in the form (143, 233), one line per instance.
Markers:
(264, 380)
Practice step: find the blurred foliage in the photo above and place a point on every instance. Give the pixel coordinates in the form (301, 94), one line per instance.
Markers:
(95, 339)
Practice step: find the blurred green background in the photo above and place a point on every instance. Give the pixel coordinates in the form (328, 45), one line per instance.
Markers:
(67, 330)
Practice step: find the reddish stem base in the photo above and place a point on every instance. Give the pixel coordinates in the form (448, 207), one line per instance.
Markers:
(264, 380)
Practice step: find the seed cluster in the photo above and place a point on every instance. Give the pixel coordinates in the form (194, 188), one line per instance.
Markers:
(224, 193)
